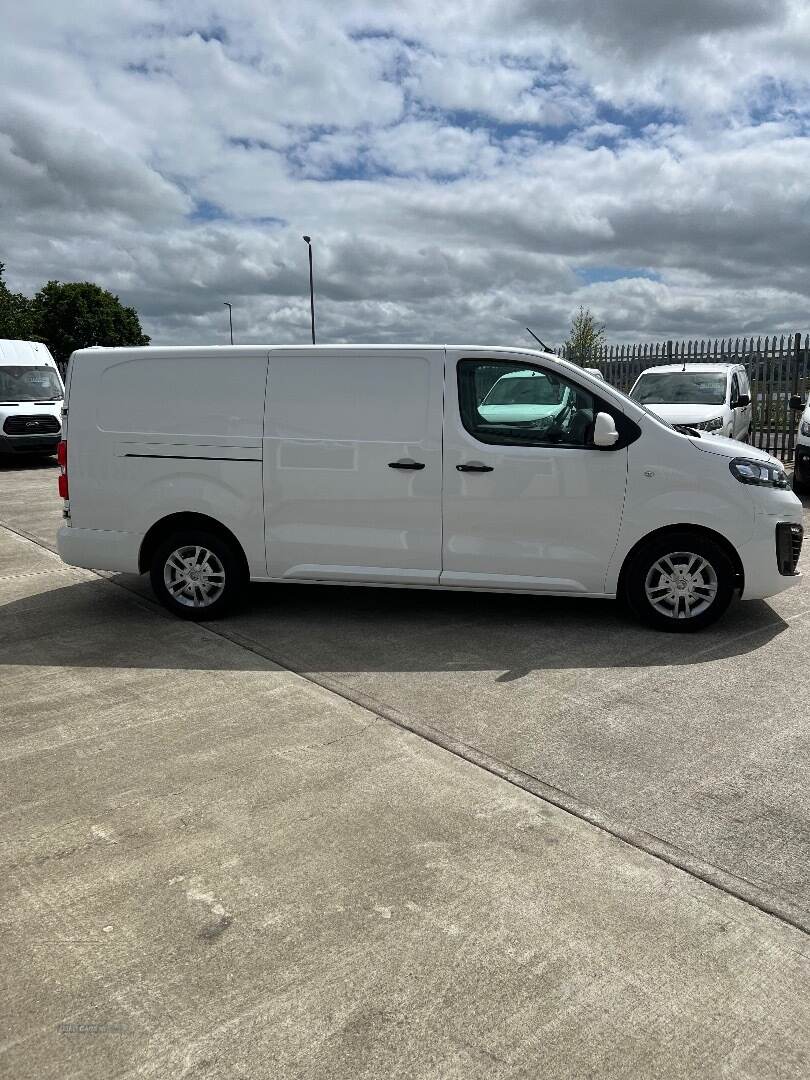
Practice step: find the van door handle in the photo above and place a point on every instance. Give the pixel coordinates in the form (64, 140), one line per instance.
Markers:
(406, 463)
(474, 466)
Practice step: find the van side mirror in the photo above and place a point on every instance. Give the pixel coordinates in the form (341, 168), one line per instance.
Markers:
(742, 402)
(604, 431)
(796, 403)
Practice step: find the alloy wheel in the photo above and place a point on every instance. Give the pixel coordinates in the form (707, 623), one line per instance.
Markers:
(681, 585)
(194, 576)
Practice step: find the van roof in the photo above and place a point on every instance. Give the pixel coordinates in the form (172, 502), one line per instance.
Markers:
(14, 351)
(716, 368)
(260, 346)
(100, 352)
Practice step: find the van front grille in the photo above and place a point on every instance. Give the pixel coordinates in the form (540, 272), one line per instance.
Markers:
(788, 547)
(31, 425)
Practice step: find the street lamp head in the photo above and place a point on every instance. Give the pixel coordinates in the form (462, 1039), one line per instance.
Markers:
(225, 303)
(307, 239)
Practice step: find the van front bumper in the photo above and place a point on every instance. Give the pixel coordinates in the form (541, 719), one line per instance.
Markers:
(99, 549)
(29, 444)
(763, 557)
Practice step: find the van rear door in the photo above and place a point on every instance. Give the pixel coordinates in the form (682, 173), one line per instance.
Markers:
(353, 465)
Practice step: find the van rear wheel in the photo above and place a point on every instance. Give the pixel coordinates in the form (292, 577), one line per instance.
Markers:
(680, 582)
(197, 575)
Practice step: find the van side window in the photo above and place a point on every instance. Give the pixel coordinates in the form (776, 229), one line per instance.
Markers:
(735, 390)
(504, 402)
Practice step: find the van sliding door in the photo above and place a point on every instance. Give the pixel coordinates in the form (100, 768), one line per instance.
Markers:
(353, 465)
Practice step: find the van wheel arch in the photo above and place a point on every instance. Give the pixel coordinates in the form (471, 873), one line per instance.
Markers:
(185, 521)
(698, 530)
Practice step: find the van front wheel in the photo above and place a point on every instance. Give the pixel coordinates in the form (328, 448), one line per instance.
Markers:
(197, 575)
(680, 582)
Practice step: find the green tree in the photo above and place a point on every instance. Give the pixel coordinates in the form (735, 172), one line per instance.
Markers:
(72, 315)
(16, 315)
(584, 338)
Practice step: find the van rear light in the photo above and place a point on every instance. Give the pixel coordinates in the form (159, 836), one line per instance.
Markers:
(61, 458)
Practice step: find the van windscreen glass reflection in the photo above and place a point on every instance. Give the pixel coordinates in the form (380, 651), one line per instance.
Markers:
(29, 384)
(680, 388)
(525, 387)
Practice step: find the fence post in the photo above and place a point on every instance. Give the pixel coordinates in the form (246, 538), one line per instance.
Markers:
(669, 351)
(794, 389)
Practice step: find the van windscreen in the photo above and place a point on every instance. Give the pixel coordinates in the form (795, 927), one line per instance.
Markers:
(525, 388)
(680, 388)
(29, 384)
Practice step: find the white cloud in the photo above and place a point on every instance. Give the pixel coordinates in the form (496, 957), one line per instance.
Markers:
(488, 86)
(465, 170)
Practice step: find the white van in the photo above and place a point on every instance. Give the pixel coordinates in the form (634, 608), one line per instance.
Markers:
(31, 393)
(374, 465)
(801, 461)
(709, 397)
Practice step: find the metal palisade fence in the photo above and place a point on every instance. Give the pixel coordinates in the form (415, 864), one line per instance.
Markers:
(777, 370)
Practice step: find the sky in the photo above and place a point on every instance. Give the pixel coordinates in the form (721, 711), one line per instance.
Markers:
(465, 169)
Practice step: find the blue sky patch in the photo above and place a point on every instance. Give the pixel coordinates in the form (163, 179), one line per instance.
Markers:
(636, 120)
(593, 274)
(207, 211)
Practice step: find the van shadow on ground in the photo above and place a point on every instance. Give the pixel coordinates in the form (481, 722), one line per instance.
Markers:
(116, 624)
(27, 462)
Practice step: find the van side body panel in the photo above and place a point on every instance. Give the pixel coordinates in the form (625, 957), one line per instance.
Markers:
(671, 483)
(154, 434)
(353, 465)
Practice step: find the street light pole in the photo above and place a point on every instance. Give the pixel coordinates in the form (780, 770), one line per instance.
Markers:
(230, 317)
(308, 241)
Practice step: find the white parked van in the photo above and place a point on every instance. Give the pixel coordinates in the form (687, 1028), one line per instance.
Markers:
(708, 397)
(375, 465)
(31, 393)
(801, 462)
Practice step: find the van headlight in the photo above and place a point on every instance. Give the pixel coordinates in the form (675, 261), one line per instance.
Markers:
(804, 428)
(710, 425)
(760, 473)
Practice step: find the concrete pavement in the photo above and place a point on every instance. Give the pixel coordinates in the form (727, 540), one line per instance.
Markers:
(215, 867)
(698, 745)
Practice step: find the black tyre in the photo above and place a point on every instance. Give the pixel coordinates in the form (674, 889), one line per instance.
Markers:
(197, 575)
(800, 486)
(679, 582)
